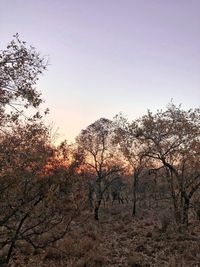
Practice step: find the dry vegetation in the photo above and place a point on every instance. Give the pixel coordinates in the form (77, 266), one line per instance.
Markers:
(124, 194)
(118, 239)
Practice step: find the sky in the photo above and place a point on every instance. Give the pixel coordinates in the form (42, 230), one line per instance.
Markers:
(109, 56)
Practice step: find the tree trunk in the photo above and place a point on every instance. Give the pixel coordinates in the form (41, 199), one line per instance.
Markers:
(134, 195)
(96, 210)
(90, 199)
(98, 201)
(14, 239)
(185, 211)
(177, 213)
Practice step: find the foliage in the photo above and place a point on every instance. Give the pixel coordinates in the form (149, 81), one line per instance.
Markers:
(171, 138)
(44, 188)
(20, 67)
(34, 207)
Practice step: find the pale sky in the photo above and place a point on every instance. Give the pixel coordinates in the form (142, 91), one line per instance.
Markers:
(109, 56)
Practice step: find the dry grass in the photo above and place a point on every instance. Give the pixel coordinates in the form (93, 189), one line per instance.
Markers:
(122, 241)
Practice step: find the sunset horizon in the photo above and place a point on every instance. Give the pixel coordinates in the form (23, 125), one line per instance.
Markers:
(99, 133)
(109, 57)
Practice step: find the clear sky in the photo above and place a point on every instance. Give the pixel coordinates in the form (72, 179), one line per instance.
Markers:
(108, 56)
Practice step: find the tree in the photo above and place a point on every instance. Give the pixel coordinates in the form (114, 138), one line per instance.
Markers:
(172, 139)
(131, 150)
(33, 211)
(99, 154)
(20, 68)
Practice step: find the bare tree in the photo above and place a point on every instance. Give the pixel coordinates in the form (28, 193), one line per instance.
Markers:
(131, 150)
(99, 153)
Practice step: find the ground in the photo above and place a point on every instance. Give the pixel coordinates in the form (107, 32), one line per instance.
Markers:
(119, 240)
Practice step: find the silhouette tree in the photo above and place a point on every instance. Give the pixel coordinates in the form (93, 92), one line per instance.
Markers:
(131, 150)
(99, 154)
